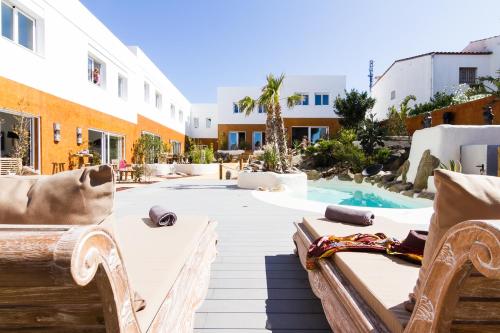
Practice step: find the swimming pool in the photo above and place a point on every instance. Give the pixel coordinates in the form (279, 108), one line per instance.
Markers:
(360, 195)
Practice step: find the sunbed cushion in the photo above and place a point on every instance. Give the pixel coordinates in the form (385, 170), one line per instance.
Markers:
(83, 196)
(459, 198)
(382, 281)
(154, 256)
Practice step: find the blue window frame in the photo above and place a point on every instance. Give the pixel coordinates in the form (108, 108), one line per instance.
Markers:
(261, 109)
(7, 21)
(321, 99)
(236, 108)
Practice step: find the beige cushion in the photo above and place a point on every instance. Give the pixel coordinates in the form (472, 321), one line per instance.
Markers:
(83, 196)
(459, 198)
(154, 256)
(382, 281)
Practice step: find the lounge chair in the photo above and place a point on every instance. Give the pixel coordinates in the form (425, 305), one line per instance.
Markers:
(83, 278)
(365, 292)
(95, 277)
(456, 289)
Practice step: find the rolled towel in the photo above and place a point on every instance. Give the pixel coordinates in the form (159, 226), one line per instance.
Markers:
(161, 216)
(348, 215)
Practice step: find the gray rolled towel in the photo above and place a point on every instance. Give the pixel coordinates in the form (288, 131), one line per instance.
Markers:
(348, 215)
(161, 216)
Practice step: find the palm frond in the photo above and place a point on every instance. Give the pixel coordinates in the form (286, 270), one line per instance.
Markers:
(247, 105)
(293, 100)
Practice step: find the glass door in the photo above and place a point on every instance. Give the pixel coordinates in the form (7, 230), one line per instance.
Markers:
(233, 141)
(257, 140)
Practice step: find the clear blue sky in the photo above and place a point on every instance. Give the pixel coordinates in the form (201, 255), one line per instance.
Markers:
(203, 44)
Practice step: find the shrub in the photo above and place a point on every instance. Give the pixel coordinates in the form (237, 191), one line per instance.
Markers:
(325, 153)
(382, 155)
(200, 154)
(371, 135)
(270, 157)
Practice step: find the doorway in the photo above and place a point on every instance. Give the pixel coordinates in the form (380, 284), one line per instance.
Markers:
(106, 148)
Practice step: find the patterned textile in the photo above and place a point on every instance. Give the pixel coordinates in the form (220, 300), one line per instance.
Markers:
(327, 246)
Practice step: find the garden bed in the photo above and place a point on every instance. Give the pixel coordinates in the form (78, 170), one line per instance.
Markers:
(294, 182)
(197, 169)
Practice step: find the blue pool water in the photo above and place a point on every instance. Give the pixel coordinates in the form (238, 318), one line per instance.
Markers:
(359, 197)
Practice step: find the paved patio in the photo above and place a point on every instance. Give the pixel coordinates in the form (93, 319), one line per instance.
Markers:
(257, 283)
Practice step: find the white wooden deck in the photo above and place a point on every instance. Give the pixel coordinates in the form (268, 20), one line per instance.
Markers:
(257, 283)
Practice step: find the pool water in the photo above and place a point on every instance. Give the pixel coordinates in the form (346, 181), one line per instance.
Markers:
(359, 197)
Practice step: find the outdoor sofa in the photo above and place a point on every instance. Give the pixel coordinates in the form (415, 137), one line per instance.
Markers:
(97, 277)
(459, 291)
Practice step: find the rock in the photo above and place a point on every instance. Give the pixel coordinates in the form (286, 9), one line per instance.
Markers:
(400, 187)
(358, 178)
(388, 178)
(380, 185)
(260, 188)
(408, 193)
(344, 177)
(426, 167)
(297, 160)
(313, 174)
(403, 170)
(426, 195)
(368, 179)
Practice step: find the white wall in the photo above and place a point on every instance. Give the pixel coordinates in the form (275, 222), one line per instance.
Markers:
(447, 67)
(67, 33)
(488, 44)
(202, 112)
(409, 77)
(333, 85)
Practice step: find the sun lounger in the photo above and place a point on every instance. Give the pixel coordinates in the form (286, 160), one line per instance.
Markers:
(83, 278)
(365, 292)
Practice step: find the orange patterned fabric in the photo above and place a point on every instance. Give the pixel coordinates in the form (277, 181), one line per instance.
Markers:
(327, 246)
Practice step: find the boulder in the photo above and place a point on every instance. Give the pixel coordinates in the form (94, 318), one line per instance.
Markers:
(400, 187)
(426, 195)
(426, 167)
(344, 177)
(387, 178)
(358, 178)
(313, 174)
(408, 193)
(403, 170)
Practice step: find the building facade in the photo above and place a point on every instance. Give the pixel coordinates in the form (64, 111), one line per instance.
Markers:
(78, 88)
(426, 74)
(314, 118)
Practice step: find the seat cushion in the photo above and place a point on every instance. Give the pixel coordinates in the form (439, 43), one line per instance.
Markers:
(154, 256)
(384, 282)
(83, 196)
(459, 198)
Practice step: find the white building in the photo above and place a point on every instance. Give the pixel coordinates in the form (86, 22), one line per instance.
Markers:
(424, 75)
(314, 118)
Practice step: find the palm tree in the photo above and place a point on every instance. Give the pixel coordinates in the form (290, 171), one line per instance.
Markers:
(270, 100)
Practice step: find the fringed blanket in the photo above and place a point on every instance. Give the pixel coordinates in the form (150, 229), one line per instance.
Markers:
(326, 246)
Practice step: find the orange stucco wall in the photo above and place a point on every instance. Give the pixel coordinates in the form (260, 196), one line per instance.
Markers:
(470, 113)
(51, 109)
(331, 123)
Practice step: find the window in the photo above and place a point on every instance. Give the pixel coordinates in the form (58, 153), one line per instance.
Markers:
(24, 32)
(196, 122)
(7, 21)
(122, 87)
(158, 100)
(172, 111)
(258, 140)
(304, 100)
(236, 108)
(95, 71)
(208, 122)
(181, 116)
(176, 147)
(236, 140)
(467, 75)
(321, 99)
(262, 109)
(146, 92)
(312, 134)
(393, 94)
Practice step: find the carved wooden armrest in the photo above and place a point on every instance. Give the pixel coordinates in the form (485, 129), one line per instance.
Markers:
(60, 259)
(467, 246)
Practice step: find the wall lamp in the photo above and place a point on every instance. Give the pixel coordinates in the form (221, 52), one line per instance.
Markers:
(79, 138)
(57, 132)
